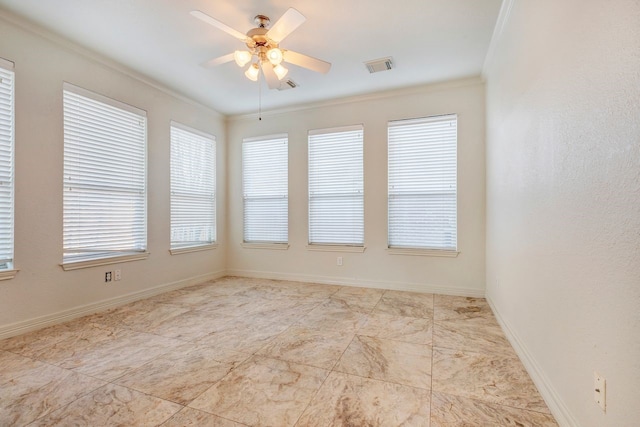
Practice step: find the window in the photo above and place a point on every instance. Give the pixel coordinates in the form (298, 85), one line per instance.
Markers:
(265, 189)
(6, 167)
(422, 183)
(104, 212)
(336, 186)
(193, 186)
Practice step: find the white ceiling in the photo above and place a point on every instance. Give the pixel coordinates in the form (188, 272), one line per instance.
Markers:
(429, 40)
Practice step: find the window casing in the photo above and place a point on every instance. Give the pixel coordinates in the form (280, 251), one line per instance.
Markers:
(104, 206)
(193, 187)
(265, 189)
(422, 197)
(7, 147)
(336, 186)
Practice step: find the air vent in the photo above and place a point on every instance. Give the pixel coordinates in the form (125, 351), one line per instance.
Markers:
(287, 84)
(378, 65)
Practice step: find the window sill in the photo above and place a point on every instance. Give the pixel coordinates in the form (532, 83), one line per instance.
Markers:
(76, 265)
(275, 246)
(423, 252)
(188, 249)
(8, 274)
(335, 248)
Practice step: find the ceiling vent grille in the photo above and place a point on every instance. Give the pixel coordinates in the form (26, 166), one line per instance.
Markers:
(378, 65)
(287, 84)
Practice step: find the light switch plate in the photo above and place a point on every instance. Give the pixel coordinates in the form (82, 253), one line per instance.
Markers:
(600, 390)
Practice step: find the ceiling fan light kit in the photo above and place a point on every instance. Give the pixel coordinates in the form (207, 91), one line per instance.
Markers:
(263, 51)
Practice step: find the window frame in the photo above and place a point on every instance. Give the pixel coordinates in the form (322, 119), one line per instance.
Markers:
(207, 138)
(95, 256)
(265, 243)
(8, 270)
(443, 251)
(315, 243)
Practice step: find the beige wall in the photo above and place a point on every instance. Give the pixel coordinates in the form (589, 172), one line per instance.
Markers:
(375, 267)
(42, 291)
(563, 200)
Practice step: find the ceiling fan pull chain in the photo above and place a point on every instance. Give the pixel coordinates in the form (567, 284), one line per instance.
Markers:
(259, 97)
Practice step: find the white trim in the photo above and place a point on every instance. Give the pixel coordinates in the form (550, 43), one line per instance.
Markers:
(40, 322)
(501, 23)
(7, 65)
(423, 252)
(188, 249)
(335, 248)
(276, 246)
(203, 134)
(70, 87)
(360, 283)
(8, 274)
(68, 266)
(552, 398)
(266, 137)
(412, 90)
(337, 129)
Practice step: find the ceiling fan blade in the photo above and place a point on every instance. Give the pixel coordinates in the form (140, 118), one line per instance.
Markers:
(270, 75)
(305, 61)
(220, 25)
(286, 25)
(217, 61)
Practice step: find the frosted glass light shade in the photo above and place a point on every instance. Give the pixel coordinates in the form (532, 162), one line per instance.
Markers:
(280, 71)
(275, 56)
(242, 57)
(252, 72)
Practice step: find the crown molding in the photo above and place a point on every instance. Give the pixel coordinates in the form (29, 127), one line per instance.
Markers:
(498, 30)
(408, 90)
(94, 56)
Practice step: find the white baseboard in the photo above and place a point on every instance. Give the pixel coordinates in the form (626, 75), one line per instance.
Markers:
(343, 281)
(22, 327)
(548, 392)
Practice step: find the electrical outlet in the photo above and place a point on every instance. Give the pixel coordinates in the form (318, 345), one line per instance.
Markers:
(600, 390)
(339, 261)
(117, 275)
(107, 276)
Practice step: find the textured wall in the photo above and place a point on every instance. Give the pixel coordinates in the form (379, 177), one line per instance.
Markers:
(563, 198)
(42, 288)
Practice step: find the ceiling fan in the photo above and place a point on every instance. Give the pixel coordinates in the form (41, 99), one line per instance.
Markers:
(262, 47)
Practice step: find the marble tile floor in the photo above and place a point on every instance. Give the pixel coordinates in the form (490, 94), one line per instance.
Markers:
(254, 352)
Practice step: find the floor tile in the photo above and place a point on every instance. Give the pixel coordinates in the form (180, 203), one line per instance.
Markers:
(387, 360)
(456, 307)
(398, 328)
(333, 315)
(471, 335)
(409, 304)
(243, 335)
(15, 365)
(347, 400)
(112, 405)
(453, 411)
(183, 373)
(110, 360)
(40, 391)
(263, 391)
(491, 378)
(320, 348)
(188, 417)
(358, 299)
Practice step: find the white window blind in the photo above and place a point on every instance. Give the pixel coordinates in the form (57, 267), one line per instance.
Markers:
(336, 186)
(193, 184)
(104, 177)
(422, 183)
(6, 163)
(265, 189)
